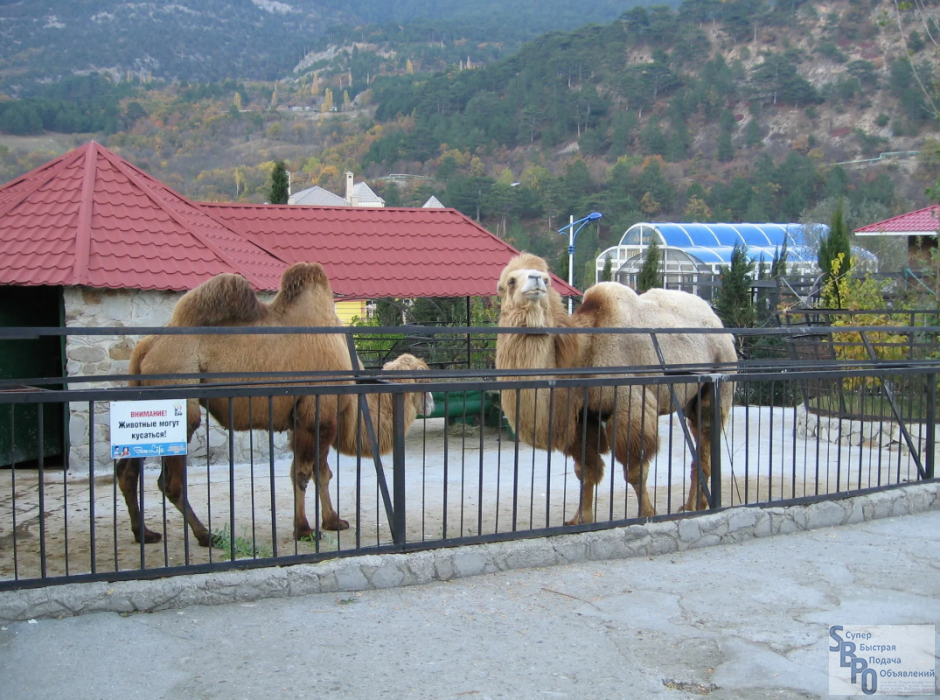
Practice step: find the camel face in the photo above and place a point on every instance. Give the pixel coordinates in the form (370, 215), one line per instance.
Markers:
(527, 286)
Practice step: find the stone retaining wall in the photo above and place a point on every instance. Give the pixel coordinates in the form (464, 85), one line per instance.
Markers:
(388, 570)
(856, 432)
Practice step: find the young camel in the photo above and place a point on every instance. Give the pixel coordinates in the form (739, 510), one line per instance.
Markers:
(529, 301)
(315, 423)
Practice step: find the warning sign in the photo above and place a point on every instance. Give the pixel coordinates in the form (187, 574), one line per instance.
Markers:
(148, 428)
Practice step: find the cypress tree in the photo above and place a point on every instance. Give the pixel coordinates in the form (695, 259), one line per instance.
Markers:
(279, 188)
(779, 266)
(835, 243)
(650, 275)
(607, 272)
(733, 301)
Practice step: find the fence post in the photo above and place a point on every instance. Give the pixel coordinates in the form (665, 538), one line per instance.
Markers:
(715, 429)
(398, 467)
(931, 425)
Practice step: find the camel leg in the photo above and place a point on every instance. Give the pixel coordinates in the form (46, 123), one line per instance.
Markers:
(308, 460)
(637, 443)
(636, 475)
(700, 421)
(696, 499)
(172, 473)
(128, 476)
(591, 471)
(300, 473)
(171, 484)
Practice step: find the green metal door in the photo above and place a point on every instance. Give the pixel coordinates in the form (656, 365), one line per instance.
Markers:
(30, 358)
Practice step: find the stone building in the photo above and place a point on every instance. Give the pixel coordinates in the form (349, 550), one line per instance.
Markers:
(92, 241)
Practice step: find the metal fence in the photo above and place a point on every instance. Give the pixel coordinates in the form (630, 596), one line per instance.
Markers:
(463, 474)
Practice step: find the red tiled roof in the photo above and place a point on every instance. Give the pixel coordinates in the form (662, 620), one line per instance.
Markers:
(91, 218)
(375, 253)
(923, 221)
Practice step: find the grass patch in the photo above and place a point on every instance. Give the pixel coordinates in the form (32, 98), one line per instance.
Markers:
(244, 548)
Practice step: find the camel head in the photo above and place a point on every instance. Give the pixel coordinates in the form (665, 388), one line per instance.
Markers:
(422, 401)
(526, 294)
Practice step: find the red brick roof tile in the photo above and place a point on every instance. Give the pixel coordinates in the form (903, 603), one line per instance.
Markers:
(91, 218)
(376, 253)
(924, 221)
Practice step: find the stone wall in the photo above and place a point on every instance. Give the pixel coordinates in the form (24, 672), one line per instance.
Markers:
(738, 524)
(884, 433)
(90, 356)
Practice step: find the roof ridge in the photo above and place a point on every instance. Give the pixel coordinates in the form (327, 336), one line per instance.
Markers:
(244, 235)
(83, 228)
(122, 165)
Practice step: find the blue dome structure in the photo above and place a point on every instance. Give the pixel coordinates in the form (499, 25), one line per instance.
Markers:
(689, 249)
(714, 243)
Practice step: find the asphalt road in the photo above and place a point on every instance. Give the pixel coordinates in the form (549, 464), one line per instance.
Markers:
(747, 620)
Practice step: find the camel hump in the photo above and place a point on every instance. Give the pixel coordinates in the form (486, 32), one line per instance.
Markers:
(298, 277)
(405, 363)
(224, 300)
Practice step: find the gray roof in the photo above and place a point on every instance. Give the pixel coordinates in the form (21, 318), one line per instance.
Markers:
(316, 196)
(433, 203)
(367, 196)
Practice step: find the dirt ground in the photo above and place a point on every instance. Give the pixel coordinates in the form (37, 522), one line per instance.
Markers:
(462, 490)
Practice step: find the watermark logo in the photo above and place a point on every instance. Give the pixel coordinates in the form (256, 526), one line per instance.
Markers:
(881, 660)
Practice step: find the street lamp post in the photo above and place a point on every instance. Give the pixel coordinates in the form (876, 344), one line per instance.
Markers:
(572, 235)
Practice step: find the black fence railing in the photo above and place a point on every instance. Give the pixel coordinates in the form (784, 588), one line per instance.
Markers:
(801, 290)
(372, 467)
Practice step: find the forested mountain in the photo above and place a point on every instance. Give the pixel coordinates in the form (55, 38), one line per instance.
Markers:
(213, 40)
(738, 111)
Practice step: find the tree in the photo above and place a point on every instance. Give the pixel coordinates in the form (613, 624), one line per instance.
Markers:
(652, 139)
(392, 195)
(833, 246)
(752, 135)
(778, 268)
(327, 104)
(697, 210)
(725, 147)
(279, 188)
(733, 301)
(607, 272)
(561, 268)
(650, 275)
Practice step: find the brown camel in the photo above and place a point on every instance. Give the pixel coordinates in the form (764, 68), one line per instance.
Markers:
(315, 423)
(529, 301)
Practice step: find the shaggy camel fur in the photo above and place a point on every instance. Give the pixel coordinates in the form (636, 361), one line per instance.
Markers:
(315, 423)
(528, 301)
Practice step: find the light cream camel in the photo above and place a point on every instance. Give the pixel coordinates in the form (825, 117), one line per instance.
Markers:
(315, 423)
(529, 301)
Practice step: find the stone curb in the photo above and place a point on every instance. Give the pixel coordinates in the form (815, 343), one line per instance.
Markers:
(390, 570)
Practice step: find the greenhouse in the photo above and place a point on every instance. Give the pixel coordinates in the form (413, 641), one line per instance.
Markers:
(688, 249)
